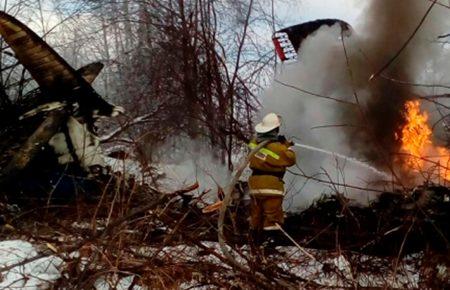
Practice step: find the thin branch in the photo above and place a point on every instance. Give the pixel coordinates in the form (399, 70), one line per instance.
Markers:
(376, 74)
(314, 94)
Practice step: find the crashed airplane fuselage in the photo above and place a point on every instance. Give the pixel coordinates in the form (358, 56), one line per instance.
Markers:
(66, 114)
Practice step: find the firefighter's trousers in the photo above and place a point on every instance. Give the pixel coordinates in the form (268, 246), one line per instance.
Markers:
(266, 212)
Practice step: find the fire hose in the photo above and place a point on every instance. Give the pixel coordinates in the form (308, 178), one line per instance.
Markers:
(347, 158)
(215, 206)
(228, 191)
(225, 203)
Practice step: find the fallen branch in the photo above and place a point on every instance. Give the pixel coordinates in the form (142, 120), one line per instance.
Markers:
(376, 74)
(117, 131)
(295, 243)
(145, 208)
(226, 202)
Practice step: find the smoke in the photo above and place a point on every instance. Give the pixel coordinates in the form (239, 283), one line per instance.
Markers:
(386, 27)
(186, 161)
(368, 131)
(322, 72)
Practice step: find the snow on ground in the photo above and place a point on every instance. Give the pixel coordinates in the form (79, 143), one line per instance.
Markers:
(405, 276)
(182, 253)
(113, 282)
(37, 274)
(293, 261)
(42, 272)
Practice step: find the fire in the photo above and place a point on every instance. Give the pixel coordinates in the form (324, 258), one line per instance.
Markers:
(416, 135)
(416, 142)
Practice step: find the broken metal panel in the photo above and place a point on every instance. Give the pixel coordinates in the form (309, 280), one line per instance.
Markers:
(19, 34)
(30, 50)
(53, 74)
(25, 140)
(288, 40)
(90, 72)
(86, 146)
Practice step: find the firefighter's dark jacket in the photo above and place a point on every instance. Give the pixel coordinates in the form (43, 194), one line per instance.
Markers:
(268, 167)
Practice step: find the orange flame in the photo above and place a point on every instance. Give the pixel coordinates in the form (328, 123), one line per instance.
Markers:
(416, 142)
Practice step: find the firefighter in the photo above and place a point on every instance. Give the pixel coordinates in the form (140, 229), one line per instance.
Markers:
(268, 167)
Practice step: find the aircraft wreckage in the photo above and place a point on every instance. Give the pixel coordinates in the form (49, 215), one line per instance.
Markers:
(50, 135)
(48, 143)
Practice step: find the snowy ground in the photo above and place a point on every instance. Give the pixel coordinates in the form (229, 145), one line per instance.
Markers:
(27, 270)
(114, 282)
(38, 273)
(34, 272)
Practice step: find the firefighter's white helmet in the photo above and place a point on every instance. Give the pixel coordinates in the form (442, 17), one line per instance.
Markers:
(270, 122)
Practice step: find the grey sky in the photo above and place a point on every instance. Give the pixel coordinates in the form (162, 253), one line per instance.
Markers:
(294, 12)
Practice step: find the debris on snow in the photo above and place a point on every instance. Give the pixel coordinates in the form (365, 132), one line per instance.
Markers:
(26, 272)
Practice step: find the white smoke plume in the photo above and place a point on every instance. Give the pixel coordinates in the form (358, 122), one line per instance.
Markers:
(186, 161)
(383, 28)
(321, 70)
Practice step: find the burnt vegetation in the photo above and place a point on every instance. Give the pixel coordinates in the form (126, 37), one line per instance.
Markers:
(184, 70)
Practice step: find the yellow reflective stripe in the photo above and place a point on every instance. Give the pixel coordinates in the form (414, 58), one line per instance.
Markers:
(265, 151)
(266, 191)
